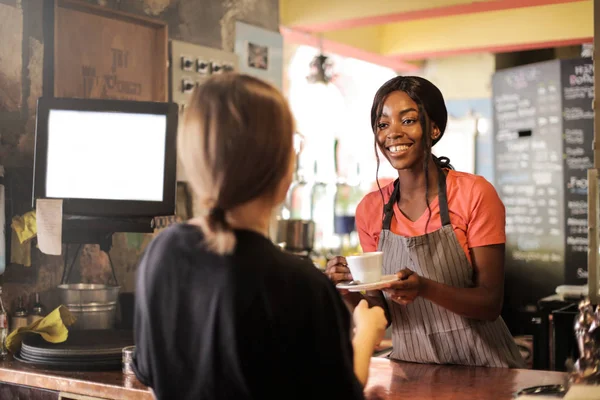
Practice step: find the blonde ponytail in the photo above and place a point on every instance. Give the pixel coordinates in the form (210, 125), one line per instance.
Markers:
(235, 145)
(218, 235)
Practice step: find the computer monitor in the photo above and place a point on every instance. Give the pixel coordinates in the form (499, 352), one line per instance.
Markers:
(106, 158)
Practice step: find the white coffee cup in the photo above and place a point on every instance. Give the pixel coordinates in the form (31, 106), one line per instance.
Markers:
(366, 268)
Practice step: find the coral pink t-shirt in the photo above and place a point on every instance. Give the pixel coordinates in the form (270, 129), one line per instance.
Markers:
(476, 213)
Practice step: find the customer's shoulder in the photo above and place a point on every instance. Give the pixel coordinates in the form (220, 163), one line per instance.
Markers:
(171, 243)
(175, 233)
(294, 264)
(303, 272)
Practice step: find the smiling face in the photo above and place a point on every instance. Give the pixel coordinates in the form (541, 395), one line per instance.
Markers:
(399, 133)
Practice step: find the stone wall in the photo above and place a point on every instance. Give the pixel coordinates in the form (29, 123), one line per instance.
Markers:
(205, 22)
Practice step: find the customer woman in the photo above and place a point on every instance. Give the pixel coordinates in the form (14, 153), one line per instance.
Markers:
(221, 312)
(441, 232)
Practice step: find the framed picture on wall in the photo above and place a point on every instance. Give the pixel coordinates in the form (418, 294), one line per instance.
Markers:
(260, 52)
(258, 56)
(95, 52)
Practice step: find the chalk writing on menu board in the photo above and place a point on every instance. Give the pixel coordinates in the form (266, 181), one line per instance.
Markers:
(578, 125)
(528, 161)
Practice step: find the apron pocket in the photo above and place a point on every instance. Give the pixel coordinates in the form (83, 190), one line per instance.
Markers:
(467, 346)
(454, 347)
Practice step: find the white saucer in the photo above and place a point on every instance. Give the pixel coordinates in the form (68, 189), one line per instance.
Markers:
(385, 279)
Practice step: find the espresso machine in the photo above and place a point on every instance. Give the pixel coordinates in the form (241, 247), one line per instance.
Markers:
(296, 236)
(292, 227)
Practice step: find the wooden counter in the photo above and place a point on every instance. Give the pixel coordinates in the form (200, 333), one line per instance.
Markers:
(388, 380)
(102, 385)
(392, 380)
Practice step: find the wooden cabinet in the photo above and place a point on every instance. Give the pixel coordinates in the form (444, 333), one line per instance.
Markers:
(18, 392)
(71, 396)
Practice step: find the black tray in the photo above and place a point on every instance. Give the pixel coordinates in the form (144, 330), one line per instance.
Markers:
(71, 365)
(43, 358)
(81, 343)
(85, 350)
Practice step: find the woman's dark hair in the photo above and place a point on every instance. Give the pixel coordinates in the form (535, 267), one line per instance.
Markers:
(432, 109)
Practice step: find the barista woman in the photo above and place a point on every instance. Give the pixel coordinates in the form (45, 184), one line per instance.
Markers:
(441, 231)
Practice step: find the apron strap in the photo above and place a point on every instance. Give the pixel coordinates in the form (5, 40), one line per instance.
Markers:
(388, 209)
(443, 197)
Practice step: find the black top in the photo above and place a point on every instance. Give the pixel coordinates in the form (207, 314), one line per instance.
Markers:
(257, 324)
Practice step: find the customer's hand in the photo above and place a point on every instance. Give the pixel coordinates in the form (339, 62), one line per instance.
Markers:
(370, 321)
(337, 270)
(376, 393)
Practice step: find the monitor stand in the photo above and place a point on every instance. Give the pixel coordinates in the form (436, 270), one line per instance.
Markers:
(82, 230)
(82, 225)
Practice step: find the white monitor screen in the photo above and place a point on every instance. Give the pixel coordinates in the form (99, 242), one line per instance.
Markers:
(105, 155)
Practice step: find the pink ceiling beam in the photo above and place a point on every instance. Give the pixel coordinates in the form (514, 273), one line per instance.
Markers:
(330, 46)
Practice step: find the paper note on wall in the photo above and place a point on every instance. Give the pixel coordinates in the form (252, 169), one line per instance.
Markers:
(49, 226)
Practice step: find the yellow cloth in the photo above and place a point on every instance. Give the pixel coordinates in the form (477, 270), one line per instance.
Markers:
(52, 328)
(25, 226)
(20, 253)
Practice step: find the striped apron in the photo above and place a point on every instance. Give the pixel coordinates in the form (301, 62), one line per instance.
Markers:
(424, 332)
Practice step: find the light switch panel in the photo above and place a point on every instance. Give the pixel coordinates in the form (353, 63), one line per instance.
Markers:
(190, 65)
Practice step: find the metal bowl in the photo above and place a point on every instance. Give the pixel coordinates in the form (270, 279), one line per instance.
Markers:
(93, 305)
(85, 293)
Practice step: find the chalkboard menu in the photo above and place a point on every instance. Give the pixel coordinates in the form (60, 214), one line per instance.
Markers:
(544, 123)
(577, 78)
(529, 163)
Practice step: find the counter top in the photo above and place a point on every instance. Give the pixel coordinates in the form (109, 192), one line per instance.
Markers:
(391, 380)
(388, 380)
(106, 385)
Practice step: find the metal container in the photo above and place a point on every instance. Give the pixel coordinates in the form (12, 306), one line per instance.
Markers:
(128, 359)
(297, 234)
(93, 305)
